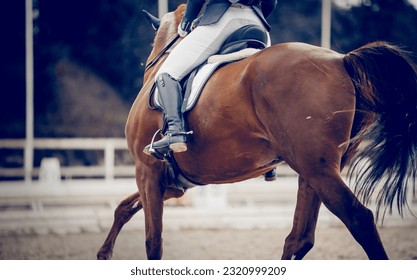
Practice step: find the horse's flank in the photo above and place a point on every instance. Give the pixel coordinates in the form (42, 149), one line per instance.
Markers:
(253, 122)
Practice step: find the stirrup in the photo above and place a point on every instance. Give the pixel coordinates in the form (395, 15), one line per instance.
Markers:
(174, 147)
(151, 149)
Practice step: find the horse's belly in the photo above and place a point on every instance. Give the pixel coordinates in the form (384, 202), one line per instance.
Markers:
(226, 163)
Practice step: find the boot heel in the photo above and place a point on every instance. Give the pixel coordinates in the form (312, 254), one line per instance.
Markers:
(178, 147)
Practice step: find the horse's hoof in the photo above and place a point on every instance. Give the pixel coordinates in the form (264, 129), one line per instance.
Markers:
(105, 253)
(103, 257)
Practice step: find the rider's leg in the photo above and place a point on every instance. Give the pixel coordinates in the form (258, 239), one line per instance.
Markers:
(193, 50)
(205, 41)
(174, 138)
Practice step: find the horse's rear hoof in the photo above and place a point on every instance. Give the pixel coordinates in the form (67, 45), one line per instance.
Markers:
(103, 255)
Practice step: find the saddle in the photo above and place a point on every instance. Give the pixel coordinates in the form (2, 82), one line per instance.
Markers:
(243, 43)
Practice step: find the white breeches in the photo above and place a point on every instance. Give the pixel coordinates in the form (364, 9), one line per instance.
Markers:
(205, 41)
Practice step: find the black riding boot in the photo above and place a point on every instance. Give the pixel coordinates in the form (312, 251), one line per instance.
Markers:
(175, 135)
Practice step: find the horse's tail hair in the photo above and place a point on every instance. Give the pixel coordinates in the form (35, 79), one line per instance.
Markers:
(385, 81)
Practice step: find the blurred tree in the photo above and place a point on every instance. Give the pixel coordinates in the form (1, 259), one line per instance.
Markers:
(388, 20)
(111, 40)
(105, 36)
(296, 21)
(12, 69)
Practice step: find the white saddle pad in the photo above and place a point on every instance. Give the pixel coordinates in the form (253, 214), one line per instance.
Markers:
(205, 73)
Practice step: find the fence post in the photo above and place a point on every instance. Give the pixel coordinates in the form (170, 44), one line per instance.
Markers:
(28, 154)
(109, 160)
(162, 8)
(326, 23)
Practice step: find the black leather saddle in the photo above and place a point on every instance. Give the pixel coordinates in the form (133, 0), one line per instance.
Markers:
(249, 36)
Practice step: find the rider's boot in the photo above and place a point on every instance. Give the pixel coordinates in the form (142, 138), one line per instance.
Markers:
(270, 175)
(175, 136)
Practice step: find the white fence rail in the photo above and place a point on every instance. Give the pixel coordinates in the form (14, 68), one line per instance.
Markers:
(109, 145)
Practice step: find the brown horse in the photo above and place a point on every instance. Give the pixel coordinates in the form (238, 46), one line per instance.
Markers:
(305, 105)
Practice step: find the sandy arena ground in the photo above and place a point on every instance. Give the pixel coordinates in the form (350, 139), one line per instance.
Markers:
(331, 243)
(65, 228)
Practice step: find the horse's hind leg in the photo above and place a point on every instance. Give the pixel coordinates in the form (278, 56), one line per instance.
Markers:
(123, 213)
(340, 200)
(301, 238)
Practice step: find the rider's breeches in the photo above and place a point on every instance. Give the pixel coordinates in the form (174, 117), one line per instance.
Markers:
(205, 41)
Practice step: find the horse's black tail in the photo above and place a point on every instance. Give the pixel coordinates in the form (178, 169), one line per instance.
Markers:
(385, 81)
